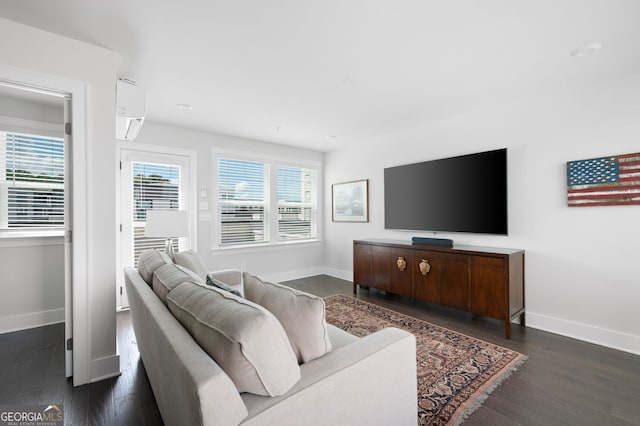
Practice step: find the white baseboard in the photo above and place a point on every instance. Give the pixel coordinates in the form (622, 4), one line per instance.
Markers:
(310, 272)
(31, 320)
(589, 333)
(338, 273)
(105, 368)
(292, 275)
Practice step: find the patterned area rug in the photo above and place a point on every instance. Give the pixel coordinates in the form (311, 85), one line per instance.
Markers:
(455, 372)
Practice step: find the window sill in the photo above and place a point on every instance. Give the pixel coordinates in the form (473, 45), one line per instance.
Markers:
(253, 248)
(31, 238)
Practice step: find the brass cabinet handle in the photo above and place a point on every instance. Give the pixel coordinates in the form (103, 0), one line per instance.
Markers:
(402, 263)
(424, 267)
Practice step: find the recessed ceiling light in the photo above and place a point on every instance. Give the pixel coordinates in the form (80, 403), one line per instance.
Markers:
(185, 107)
(332, 137)
(587, 49)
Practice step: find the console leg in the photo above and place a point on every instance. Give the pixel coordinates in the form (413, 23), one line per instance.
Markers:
(355, 288)
(522, 323)
(507, 329)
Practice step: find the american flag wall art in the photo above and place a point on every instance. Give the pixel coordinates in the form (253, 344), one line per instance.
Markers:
(605, 181)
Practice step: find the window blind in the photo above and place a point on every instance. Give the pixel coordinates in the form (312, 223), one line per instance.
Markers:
(296, 188)
(154, 186)
(243, 194)
(31, 182)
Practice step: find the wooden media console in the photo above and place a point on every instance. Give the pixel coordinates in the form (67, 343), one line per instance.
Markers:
(481, 280)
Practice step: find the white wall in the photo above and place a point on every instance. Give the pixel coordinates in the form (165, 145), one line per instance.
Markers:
(32, 268)
(38, 54)
(582, 269)
(32, 282)
(272, 263)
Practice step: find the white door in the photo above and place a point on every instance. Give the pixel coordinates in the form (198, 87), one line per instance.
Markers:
(148, 180)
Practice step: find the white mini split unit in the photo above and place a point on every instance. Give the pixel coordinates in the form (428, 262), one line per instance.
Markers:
(130, 109)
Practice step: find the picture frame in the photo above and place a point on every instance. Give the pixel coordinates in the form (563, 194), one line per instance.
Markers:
(350, 201)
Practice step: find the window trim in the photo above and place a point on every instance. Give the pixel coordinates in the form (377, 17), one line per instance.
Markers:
(31, 239)
(271, 210)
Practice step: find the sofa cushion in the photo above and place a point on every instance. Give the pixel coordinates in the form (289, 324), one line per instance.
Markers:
(149, 261)
(301, 314)
(192, 261)
(245, 339)
(169, 276)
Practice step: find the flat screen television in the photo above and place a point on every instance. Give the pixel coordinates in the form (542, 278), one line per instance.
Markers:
(467, 193)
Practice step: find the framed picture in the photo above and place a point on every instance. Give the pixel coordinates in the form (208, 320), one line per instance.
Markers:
(350, 201)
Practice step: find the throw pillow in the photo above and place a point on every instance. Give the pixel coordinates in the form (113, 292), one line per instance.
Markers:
(245, 339)
(149, 261)
(169, 276)
(301, 314)
(222, 286)
(192, 261)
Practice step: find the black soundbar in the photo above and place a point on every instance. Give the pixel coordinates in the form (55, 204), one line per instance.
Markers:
(423, 241)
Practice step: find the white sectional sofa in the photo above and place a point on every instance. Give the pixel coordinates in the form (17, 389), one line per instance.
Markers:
(337, 380)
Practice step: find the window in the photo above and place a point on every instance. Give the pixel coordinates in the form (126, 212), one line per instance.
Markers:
(296, 188)
(31, 182)
(243, 189)
(265, 203)
(155, 186)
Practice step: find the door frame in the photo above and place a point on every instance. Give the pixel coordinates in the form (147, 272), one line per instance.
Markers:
(79, 313)
(192, 205)
(68, 235)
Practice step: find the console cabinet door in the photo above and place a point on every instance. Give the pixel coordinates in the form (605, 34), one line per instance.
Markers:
(386, 274)
(401, 272)
(362, 264)
(489, 289)
(380, 267)
(444, 281)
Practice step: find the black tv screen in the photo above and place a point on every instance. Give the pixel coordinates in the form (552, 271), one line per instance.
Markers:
(458, 194)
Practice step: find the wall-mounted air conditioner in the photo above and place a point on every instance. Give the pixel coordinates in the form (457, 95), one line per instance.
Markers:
(130, 109)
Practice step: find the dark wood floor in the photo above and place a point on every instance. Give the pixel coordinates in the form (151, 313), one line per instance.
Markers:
(564, 381)
(32, 372)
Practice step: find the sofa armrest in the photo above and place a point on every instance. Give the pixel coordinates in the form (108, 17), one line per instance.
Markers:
(230, 277)
(370, 381)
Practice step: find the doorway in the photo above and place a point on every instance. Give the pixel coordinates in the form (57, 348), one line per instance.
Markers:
(150, 178)
(35, 203)
(76, 311)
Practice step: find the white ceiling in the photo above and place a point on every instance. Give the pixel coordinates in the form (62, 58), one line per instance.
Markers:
(296, 71)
